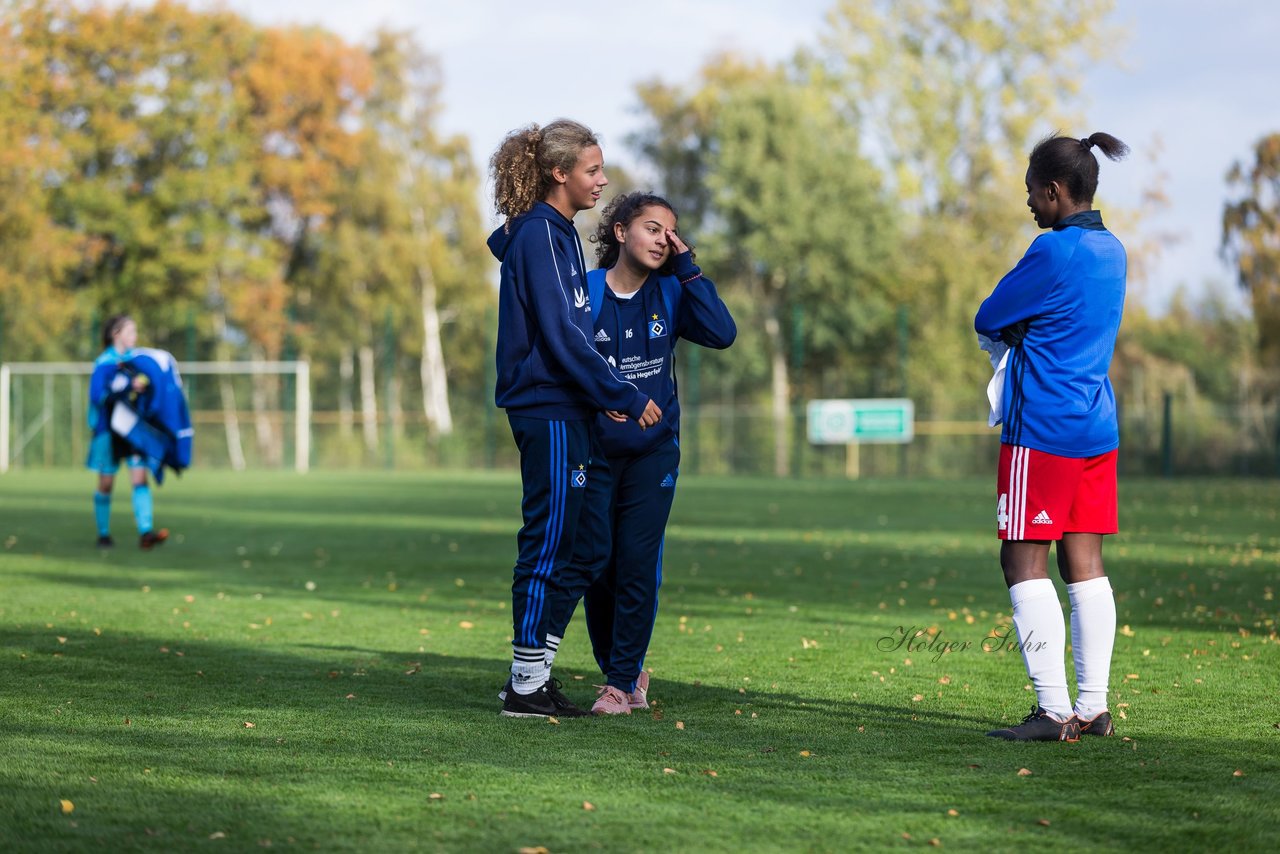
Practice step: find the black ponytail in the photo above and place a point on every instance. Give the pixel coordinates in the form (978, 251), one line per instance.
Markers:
(1070, 162)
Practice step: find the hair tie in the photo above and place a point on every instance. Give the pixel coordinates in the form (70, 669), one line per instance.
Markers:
(1084, 140)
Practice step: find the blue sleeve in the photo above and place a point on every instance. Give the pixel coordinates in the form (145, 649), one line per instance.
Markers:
(99, 391)
(99, 383)
(1021, 294)
(704, 318)
(540, 268)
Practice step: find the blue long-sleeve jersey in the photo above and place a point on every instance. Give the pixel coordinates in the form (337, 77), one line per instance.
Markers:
(547, 365)
(638, 337)
(1069, 288)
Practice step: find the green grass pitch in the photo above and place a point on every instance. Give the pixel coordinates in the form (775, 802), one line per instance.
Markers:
(311, 662)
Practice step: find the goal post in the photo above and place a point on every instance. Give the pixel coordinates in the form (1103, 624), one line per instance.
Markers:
(13, 442)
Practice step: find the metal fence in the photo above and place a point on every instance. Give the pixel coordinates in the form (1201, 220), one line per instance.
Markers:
(45, 427)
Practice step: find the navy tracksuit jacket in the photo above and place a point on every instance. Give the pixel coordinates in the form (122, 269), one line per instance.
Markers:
(552, 382)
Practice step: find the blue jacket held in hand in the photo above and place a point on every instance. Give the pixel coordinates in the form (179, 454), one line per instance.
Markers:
(1069, 289)
(154, 423)
(547, 365)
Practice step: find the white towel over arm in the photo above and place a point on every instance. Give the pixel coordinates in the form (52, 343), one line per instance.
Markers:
(999, 353)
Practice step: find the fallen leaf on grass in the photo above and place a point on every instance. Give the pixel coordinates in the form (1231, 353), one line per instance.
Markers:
(710, 773)
(805, 753)
(1024, 772)
(552, 719)
(588, 806)
(249, 725)
(217, 834)
(1237, 773)
(917, 698)
(351, 696)
(1044, 822)
(435, 796)
(679, 724)
(533, 850)
(668, 770)
(67, 807)
(953, 813)
(466, 624)
(936, 842)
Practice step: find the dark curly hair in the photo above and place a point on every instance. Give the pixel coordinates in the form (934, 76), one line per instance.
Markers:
(1069, 161)
(624, 209)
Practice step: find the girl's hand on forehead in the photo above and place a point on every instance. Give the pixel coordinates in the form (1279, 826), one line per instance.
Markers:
(678, 246)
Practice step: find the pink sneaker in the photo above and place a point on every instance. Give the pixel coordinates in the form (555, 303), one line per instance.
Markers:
(639, 698)
(611, 701)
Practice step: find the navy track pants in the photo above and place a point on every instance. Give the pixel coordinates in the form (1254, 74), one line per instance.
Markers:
(622, 603)
(560, 480)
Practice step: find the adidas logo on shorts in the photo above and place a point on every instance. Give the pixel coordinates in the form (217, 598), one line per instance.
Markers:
(1042, 518)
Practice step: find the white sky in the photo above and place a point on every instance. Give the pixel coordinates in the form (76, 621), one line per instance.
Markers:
(1199, 81)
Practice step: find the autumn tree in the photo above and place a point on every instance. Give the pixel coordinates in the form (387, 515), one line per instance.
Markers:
(950, 95)
(792, 219)
(1251, 241)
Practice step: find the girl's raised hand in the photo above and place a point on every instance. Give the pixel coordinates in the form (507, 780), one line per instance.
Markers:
(678, 246)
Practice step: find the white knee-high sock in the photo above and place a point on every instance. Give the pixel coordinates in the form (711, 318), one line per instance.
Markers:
(1042, 633)
(1093, 636)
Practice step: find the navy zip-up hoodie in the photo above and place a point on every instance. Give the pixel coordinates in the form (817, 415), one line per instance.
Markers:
(638, 337)
(547, 365)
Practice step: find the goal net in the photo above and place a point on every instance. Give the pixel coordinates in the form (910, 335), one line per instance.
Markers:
(245, 414)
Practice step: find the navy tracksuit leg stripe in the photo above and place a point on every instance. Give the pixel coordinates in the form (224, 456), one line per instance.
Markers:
(549, 450)
(591, 542)
(550, 540)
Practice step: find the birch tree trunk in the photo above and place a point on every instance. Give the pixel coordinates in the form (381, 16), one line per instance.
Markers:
(435, 381)
(395, 412)
(226, 391)
(368, 397)
(346, 373)
(781, 390)
(270, 447)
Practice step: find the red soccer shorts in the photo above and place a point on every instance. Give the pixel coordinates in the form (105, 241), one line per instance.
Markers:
(1043, 496)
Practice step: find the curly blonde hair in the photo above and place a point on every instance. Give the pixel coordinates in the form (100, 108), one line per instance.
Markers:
(521, 167)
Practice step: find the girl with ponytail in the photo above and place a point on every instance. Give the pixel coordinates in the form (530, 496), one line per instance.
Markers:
(552, 383)
(1058, 311)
